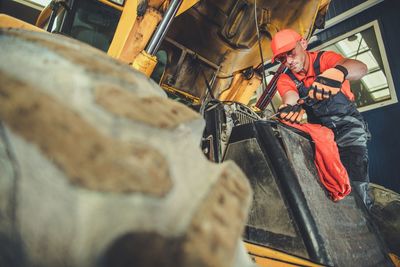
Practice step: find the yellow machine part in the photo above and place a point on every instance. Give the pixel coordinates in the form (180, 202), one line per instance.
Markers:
(108, 3)
(241, 90)
(140, 35)
(127, 22)
(11, 22)
(43, 17)
(193, 99)
(264, 256)
(186, 5)
(145, 63)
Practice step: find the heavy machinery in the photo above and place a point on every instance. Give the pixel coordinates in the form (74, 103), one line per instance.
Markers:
(89, 123)
(221, 47)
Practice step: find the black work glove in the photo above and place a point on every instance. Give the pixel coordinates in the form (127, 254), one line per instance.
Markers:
(328, 83)
(292, 113)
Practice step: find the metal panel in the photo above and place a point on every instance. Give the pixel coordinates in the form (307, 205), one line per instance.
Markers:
(270, 221)
(345, 226)
(291, 205)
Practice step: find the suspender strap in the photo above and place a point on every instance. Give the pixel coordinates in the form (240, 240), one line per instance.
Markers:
(296, 81)
(303, 91)
(317, 67)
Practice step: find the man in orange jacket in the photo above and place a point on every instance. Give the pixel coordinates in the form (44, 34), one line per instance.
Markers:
(317, 84)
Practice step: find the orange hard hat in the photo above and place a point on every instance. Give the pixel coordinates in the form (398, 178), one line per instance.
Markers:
(284, 41)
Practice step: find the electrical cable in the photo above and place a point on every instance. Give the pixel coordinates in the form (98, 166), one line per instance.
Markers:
(207, 83)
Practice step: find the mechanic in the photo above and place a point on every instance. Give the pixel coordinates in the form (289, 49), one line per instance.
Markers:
(317, 83)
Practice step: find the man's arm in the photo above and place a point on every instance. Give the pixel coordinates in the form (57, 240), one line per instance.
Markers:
(356, 69)
(329, 82)
(289, 110)
(287, 89)
(290, 97)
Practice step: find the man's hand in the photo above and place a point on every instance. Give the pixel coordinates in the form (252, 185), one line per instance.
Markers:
(328, 83)
(292, 113)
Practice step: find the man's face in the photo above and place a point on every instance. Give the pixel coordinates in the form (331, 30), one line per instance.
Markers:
(294, 59)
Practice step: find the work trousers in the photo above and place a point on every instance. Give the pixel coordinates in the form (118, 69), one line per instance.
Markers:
(351, 136)
(355, 160)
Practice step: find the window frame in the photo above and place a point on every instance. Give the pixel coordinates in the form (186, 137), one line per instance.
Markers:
(386, 68)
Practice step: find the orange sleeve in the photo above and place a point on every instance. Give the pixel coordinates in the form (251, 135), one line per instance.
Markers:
(329, 59)
(285, 84)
